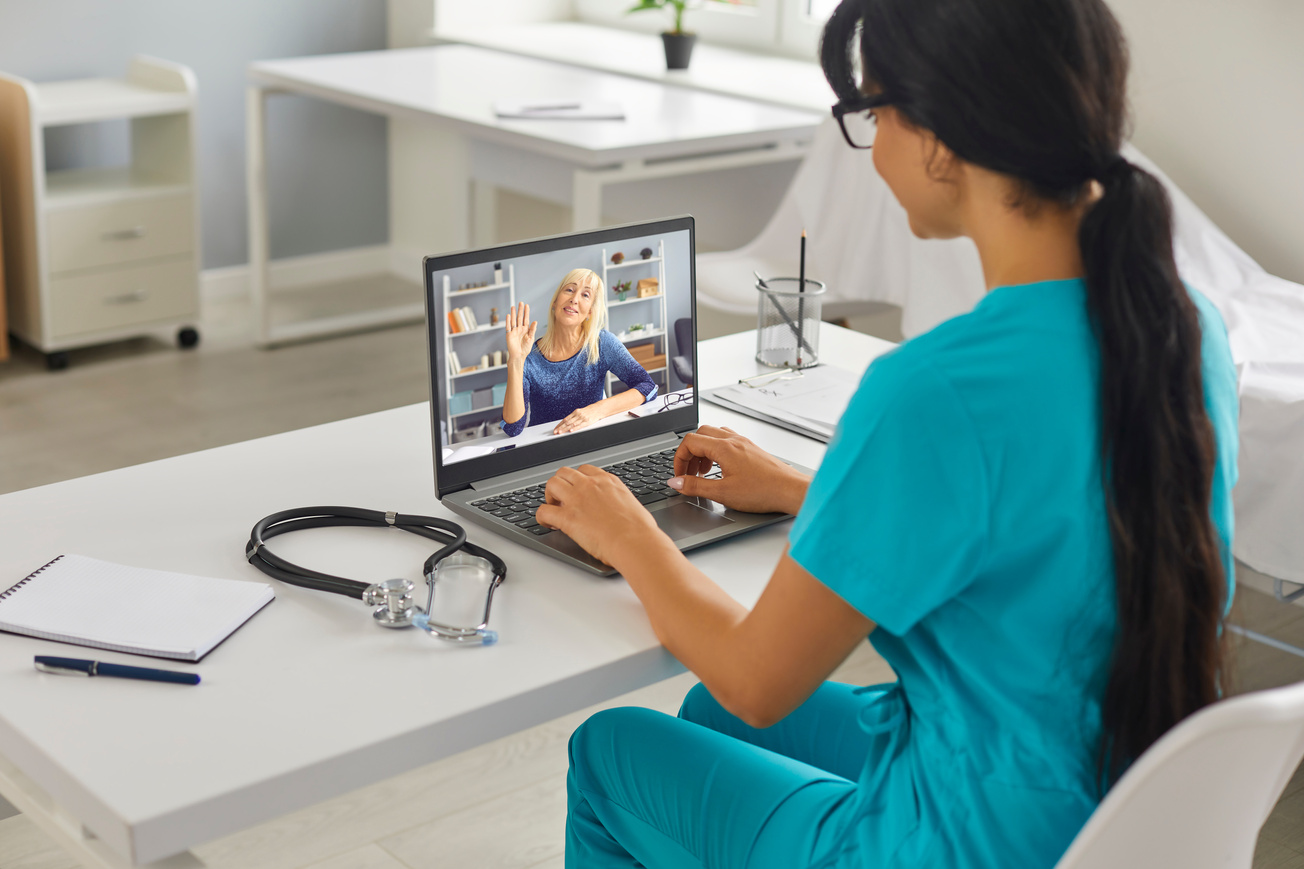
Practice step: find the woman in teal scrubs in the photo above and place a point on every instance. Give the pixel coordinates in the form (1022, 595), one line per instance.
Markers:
(1027, 510)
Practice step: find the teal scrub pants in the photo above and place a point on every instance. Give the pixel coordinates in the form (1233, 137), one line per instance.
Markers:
(707, 790)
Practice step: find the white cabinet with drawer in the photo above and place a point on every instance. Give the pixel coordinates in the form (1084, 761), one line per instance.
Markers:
(94, 255)
(87, 302)
(119, 232)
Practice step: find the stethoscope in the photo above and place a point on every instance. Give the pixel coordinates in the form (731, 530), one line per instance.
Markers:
(395, 607)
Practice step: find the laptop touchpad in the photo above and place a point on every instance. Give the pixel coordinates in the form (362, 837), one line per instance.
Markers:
(685, 520)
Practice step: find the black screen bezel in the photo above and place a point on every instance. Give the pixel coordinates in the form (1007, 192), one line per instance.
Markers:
(460, 475)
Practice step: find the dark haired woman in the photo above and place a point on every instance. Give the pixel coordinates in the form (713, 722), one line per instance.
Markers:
(1026, 509)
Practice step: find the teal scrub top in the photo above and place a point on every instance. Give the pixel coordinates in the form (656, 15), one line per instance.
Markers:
(960, 508)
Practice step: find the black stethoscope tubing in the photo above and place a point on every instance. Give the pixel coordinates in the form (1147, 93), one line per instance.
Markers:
(444, 531)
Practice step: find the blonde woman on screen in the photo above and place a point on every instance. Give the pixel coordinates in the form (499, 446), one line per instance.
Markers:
(561, 377)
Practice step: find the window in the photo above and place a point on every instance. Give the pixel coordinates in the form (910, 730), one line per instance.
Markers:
(802, 24)
(786, 26)
(750, 23)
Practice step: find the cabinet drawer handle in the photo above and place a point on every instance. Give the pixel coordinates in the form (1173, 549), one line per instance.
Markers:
(127, 298)
(124, 234)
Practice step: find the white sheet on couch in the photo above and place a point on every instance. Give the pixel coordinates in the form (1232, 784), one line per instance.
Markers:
(862, 247)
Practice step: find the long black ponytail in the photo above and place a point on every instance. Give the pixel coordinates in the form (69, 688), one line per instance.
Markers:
(1035, 90)
(1158, 446)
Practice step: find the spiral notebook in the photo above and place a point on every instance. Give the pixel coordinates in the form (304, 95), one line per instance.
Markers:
(75, 599)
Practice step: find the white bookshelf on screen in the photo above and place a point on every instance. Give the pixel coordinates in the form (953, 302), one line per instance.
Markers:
(100, 254)
(482, 300)
(648, 306)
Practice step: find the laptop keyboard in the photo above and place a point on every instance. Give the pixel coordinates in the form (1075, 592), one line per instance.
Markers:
(645, 476)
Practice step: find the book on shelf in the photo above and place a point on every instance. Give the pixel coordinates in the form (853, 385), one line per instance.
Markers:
(465, 319)
(454, 364)
(453, 323)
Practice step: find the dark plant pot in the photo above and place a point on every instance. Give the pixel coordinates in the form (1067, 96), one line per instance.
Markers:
(679, 49)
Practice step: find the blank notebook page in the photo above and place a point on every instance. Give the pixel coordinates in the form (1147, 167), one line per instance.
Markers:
(75, 599)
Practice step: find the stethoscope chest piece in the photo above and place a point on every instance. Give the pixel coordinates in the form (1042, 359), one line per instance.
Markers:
(395, 606)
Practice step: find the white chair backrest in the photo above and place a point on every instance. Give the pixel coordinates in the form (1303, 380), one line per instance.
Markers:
(860, 245)
(1199, 796)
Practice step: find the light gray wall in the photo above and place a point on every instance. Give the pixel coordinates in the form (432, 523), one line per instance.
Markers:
(1217, 90)
(327, 165)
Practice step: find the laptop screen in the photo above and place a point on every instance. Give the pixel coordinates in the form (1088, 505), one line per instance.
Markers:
(610, 359)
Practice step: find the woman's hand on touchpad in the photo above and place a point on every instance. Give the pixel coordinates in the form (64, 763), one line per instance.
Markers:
(751, 480)
(598, 512)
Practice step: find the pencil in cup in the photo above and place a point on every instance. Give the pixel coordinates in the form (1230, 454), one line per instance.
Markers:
(801, 306)
(787, 322)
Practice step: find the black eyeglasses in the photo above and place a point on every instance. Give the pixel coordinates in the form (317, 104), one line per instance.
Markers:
(670, 399)
(856, 118)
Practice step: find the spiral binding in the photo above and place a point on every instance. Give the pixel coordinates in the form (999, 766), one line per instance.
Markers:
(26, 579)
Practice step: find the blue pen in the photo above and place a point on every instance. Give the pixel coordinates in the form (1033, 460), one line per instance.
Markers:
(79, 667)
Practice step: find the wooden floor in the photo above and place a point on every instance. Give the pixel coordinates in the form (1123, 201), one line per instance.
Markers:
(500, 806)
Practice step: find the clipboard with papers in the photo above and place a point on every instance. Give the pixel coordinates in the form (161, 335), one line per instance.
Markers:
(809, 401)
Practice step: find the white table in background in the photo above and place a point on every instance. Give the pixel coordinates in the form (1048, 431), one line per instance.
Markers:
(667, 131)
(310, 699)
(770, 78)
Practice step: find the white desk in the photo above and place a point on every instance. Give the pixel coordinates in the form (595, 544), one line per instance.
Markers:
(543, 431)
(310, 700)
(668, 131)
(769, 78)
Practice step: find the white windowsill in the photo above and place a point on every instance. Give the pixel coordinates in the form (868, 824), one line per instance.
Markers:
(730, 71)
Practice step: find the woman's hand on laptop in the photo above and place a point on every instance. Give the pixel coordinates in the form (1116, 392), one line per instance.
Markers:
(750, 480)
(598, 512)
(579, 418)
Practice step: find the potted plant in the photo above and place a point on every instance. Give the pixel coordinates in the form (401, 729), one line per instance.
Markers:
(678, 42)
(621, 289)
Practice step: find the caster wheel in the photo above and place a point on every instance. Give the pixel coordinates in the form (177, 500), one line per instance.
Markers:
(56, 361)
(187, 338)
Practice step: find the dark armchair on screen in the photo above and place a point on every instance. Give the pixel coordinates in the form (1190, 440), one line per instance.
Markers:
(683, 363)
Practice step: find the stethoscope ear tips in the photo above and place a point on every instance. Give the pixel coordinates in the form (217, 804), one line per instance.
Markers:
(488, 638)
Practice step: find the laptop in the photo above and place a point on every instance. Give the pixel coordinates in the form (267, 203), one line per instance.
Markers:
(494, 474)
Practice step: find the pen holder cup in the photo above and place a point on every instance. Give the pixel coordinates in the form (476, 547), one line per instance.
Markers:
(788, 323)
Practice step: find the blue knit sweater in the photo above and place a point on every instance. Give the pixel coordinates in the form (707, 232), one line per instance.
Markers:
(554, 389)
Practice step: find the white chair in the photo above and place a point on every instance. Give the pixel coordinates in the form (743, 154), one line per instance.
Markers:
(859, 244)
(1199, 796)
